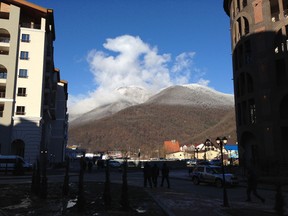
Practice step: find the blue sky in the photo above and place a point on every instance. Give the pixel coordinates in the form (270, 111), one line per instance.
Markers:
(103, 44)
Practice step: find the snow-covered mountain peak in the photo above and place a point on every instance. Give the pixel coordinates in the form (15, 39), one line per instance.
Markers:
(192, 95)
(134, 94)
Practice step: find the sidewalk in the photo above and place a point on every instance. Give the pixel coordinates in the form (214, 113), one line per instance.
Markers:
(175, 203)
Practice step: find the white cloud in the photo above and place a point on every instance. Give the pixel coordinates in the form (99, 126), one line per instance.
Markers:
(203, 82)
(128, 61)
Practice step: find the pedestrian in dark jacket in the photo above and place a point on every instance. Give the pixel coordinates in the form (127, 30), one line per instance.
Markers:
(147, 174)
(165, 175)
(155, 174)
(252, 186)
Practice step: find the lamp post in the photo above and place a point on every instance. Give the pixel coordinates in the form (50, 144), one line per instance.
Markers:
(223, 141)
(196, 153)
(207, 145)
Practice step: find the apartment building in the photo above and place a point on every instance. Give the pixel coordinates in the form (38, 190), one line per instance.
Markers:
(33, 98)
(259, 44)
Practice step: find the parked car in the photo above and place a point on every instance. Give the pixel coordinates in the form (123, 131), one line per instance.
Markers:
(114, 164)
(191, 163)
(13, 162)
(212, 174)
(131, 164)
(215, 162)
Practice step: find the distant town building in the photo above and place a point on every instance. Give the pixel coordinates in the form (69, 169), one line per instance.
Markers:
(33, 98)
(171, 146)
(260, 73)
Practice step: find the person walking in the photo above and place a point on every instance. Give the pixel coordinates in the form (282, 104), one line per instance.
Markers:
(147, 174)
(165, 174)
(252, 186)
(155, 174)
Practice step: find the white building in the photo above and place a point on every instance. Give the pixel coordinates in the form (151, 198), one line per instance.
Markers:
(33, 111)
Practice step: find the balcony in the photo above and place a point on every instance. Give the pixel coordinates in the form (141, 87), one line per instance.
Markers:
(2, 94)
(4, 41)
(4, 15)
(3, 75)
(31, 25)
(20, 113)
(4, 50)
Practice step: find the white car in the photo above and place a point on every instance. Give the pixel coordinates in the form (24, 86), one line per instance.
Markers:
(115, 164)
(191, 163)
(212, 174)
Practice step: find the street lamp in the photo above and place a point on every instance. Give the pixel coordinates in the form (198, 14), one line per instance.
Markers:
(196, 153)
(207, 145)
(223, 141)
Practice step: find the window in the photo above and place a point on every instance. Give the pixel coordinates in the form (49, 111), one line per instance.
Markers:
(244, 3)
(20, 110)
(21, 92)
(280, 72)
(23, 73)
(252, 111)
(3, 72)
(25, 38)
(24, 55)
(1, 110)
(274, 10)
(3, 75)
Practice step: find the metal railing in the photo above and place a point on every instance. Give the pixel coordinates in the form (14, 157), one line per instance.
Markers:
(4, 15)
(4, 40)
(31, 25)
(2, 94)
(3, 75)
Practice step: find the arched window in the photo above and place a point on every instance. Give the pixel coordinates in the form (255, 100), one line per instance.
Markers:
(246, 26)
(241, 28)
(278, 43)
(242, 84)
(4, 41)
(250, 86)
(244, 3)
(274, 10)
(280, 67)
(237, 86)
(3, 72)
(284, 108)
(18, 147)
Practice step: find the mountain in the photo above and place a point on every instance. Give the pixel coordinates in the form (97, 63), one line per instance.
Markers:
(189, 114)
(192, 95)
(127, 96)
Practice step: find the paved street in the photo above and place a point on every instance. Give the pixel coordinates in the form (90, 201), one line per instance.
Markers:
(183, 198)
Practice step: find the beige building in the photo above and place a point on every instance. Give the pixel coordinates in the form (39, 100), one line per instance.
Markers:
(33, 112)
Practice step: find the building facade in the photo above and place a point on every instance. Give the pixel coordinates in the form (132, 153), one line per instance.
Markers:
(33, 111)
(259, 31)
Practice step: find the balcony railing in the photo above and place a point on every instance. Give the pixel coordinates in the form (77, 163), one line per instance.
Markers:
(31, 25)
(20, 113)
(4, 51)
(2, 94)
(21, 94)
(3, 75)
(4, 15)
(4, 40)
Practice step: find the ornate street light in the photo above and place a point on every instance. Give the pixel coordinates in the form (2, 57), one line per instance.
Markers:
(207, 145)
(223, 141)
